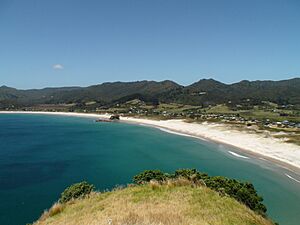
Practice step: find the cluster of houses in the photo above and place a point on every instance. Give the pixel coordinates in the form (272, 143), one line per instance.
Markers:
(216, 117)
(198, 115)
(242, 120)
(136, 110)
(285, 123)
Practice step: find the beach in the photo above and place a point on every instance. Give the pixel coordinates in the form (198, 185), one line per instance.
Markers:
(258, 145)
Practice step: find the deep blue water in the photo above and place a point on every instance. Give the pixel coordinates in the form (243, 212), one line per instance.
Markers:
(41, 155)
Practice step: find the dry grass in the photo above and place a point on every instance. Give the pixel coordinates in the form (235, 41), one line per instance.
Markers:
(289, 137)
(175, 202)
(54, 210)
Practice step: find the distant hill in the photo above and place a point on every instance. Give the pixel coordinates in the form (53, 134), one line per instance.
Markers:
(209, 91)
(203, 92)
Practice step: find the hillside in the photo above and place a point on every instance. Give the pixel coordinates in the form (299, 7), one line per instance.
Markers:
(102, 93)
(186, 196)
(155, 204)
(204, 92)
(209, 91)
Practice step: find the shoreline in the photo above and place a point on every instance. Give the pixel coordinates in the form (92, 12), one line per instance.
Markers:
(292, 167)
(285, 155)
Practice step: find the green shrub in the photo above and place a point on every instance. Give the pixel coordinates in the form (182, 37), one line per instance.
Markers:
(77, 190)
(149, 175)
(190, 174)
(243, 192)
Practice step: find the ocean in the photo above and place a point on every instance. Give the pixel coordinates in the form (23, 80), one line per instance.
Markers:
(41, 155)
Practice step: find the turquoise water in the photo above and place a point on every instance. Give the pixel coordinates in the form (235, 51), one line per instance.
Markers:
(40, 155)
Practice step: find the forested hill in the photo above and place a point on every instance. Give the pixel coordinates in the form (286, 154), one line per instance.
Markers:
(203, 92)
(209, 91)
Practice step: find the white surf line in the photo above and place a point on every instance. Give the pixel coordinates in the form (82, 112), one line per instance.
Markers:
(238, 155)
(174, 132)
(292, 178)
(181, 134)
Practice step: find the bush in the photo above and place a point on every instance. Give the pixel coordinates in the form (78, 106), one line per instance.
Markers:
(77, 190)
(190, 174)
(149, 175)
(243, 192)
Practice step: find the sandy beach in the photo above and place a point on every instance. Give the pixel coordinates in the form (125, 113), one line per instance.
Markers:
(285, 154)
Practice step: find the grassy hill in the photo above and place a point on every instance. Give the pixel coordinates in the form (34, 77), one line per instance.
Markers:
(152, 203)
(186, 196)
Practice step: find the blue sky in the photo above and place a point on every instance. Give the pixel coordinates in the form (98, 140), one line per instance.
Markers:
(84, 42)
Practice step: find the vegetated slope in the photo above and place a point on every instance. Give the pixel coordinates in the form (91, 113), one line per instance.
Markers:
(203, 92)
(154, 203)
(108, 92)
(9, 93)
(103, 93)
(11, 96)
(209, 91)
(281, 92)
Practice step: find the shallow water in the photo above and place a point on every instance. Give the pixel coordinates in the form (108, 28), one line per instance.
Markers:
(40, 155)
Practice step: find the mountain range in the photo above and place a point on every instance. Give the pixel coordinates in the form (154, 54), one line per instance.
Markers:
(203, 92)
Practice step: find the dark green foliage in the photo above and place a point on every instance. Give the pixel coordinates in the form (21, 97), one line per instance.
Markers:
(77, 190)
(153, 100)
(213, 92)
(243, 192)
(190, 174)
(148, 175)
(105, 93)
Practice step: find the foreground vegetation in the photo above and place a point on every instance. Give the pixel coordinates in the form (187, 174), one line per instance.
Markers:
(243, 192)
(159, 198)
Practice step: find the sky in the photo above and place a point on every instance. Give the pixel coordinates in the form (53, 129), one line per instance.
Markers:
(83, 42)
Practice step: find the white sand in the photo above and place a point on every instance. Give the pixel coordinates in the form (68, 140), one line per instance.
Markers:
(251, 142)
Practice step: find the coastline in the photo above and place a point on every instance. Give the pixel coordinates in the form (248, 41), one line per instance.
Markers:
(283, 154)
